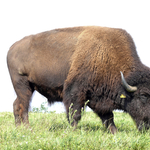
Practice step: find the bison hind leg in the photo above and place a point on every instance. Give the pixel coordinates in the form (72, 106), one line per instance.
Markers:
(24, 90)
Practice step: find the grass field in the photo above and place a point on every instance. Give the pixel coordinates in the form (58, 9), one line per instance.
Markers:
(50, 131)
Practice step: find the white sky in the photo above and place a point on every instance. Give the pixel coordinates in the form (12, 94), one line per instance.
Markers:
(21, 18)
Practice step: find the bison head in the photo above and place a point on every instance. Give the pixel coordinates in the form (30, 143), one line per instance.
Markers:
(137, 103)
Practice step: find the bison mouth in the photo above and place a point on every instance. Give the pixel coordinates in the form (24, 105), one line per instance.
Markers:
(144, 125)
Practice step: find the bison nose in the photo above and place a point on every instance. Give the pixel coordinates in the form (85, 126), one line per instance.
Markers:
(143, 126)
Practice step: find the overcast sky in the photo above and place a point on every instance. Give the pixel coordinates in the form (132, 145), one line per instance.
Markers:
(21, 18)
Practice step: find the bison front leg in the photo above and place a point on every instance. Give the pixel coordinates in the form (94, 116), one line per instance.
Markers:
(73, 109)
(73, 114)
(73, 100)
(108, 121)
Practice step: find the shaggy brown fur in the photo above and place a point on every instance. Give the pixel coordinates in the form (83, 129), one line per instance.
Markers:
(74, 65)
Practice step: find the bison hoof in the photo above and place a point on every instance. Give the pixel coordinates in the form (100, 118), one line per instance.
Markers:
(113, 129)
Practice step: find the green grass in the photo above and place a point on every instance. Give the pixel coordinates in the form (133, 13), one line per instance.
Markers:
(49, 131)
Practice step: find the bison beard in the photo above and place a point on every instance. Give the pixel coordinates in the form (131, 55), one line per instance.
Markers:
(73, 65)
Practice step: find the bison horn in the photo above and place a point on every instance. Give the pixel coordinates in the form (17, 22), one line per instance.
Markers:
(128, 87)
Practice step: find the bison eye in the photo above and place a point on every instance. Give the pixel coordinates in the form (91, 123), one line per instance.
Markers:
(143, 99)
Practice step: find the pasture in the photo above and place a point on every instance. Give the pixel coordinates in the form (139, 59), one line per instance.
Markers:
(50, 131)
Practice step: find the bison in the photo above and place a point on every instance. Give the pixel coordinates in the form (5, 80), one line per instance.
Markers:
(73, 65)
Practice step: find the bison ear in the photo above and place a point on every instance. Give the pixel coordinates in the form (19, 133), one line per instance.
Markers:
(128, 87)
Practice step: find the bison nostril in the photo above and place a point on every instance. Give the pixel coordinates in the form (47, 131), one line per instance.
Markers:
(144, 125)
(146, 120)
